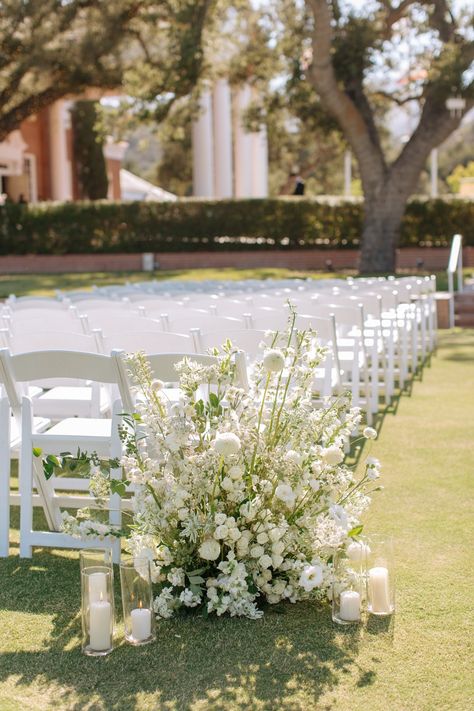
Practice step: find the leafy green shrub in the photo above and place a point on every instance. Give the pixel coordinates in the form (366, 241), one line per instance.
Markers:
(199, 225)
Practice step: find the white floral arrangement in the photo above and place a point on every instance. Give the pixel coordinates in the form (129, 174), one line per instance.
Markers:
(240, 498)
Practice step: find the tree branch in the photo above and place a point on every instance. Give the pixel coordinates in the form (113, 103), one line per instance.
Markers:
(357, 124)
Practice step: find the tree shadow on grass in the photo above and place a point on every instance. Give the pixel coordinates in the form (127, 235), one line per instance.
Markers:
(218, 664)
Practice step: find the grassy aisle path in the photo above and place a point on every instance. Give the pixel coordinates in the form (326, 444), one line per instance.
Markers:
(295, 658)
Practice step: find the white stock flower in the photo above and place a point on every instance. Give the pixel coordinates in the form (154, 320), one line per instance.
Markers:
(333, 455)
(273, 360)
(369, 433)
(227, 443)
(285, 493)
(311, 577)
(209, 549)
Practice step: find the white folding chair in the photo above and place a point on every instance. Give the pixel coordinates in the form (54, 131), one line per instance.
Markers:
(88, 434)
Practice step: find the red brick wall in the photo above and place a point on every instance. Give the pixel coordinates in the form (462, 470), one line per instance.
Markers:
(35, 132)
(113, 174)
(434, 259)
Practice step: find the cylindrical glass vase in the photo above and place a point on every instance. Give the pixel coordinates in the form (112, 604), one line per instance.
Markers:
(348, 589)
(96, 557)
(380, 576)
(97, 610)
(137, 601)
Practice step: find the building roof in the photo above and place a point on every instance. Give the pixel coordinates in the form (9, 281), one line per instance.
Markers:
(135, 188)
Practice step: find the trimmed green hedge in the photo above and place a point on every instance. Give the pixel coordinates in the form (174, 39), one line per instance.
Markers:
(198, 225)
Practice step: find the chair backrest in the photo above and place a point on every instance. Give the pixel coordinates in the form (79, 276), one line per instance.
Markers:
(247, 340)
(112, 322)
(163, 366)
(205, 322)
(54, 340)
(157, 341)
(37, 302)
(31, 322)
(267, 318)
(48, 365)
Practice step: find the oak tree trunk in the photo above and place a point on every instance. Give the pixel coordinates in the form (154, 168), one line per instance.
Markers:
(383, 215)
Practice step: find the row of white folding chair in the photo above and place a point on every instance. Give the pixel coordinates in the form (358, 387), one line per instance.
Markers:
(89, 434)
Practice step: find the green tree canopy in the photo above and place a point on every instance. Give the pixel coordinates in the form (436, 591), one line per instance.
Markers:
(54, 48)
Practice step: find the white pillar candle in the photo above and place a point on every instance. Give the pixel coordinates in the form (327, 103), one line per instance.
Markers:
(100, 626)
(97, 587)
(349, 606)
(379, 592)
(141, 623)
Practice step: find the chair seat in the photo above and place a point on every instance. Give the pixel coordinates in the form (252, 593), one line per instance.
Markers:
(92, 428)
(68, 401)
(39, 424)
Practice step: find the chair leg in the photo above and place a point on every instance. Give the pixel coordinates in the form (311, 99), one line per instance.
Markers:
(4, 477)
(26, 499)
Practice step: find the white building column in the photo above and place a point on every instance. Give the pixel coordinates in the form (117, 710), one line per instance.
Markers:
(260, 164)
(259, 159)
(434, 173)
(347, 173)
(61, 170)
(203, 149)
(243, 145)
(223, 172)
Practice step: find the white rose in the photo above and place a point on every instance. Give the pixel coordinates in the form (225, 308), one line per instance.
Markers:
(220, 518)
(234, 534)
(221, 532)
(227, 443)
(333, 455)
(285, 493)
(257, 551)
(262, 538)
(369, 433)
(209, 549)
(277, 560)
(278, 547)
(265, 561)
(294, 457)
(311, 577)
(273, 360)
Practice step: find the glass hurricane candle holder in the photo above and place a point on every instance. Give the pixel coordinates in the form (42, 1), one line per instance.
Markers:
(137, 601)
(347, 589)
(96, 557)
(380, 576)
(97, 610)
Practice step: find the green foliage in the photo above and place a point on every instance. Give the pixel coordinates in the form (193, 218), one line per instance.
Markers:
(460, 172)
(88, 151)
(201, 225)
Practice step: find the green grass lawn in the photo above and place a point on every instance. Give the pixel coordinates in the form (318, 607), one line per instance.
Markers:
(46, 284)
(294, 658)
